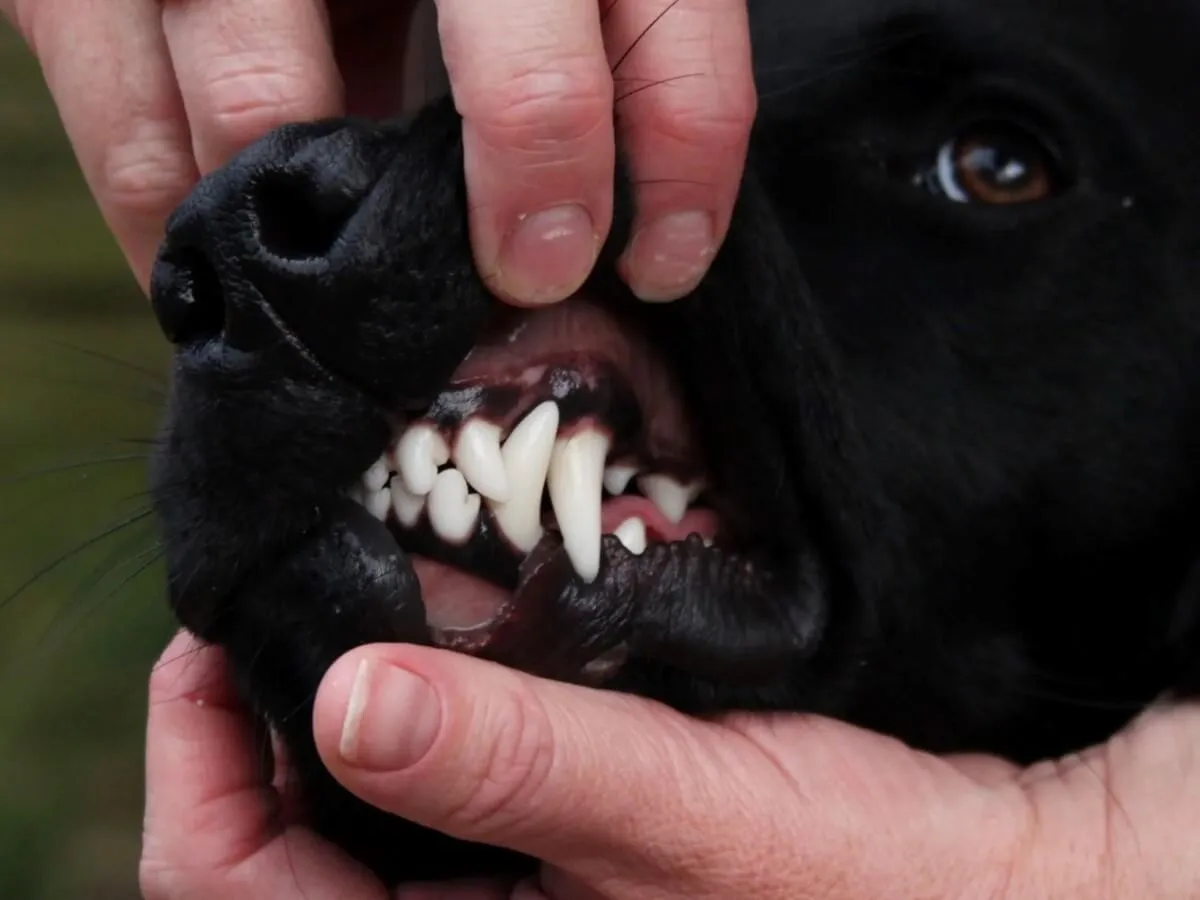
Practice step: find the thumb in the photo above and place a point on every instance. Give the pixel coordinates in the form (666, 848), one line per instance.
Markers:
(572, 776)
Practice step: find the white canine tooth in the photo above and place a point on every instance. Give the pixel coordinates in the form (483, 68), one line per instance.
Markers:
(617, 478)
(452, 510)
(526, 456)
(376, 477)
(576, 470)
(406, 505)
(632, 533)
(418, 454)
(379, 502)
(477, 455)
(671, 497)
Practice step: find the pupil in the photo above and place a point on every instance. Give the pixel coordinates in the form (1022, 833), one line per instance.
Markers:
(997, 165)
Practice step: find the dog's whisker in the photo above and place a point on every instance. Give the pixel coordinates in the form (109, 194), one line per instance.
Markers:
(105, 533)
(58, 469)
(616, 66)
(653, 84)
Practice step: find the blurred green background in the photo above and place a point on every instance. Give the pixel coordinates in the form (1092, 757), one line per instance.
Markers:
(79, 628)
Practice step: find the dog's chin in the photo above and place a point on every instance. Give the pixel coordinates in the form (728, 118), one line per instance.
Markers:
(556, 470)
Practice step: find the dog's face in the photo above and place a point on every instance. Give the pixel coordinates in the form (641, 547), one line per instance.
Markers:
(918, 453)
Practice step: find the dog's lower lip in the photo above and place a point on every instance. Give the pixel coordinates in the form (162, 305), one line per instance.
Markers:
(457, 602)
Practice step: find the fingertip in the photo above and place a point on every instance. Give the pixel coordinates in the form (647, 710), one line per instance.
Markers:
(375, 712)
(546, 257)
(191, 671)
(687, 102)
(538, 144)
(667, 258)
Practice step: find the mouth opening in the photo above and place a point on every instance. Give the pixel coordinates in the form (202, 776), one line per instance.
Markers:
(561, 437)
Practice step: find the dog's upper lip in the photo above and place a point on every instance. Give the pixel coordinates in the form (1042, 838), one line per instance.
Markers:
(520, 342)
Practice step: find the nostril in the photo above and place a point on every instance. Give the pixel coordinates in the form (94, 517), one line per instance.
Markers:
(298, 220)
(186, 295)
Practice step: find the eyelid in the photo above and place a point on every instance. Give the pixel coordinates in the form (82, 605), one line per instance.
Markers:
(996, 99)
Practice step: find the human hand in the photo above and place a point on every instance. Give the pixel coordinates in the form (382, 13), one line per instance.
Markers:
(627, 800)
(153, 93)
(219, 823)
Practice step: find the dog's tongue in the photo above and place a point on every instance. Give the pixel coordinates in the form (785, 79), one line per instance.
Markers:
(457, 601)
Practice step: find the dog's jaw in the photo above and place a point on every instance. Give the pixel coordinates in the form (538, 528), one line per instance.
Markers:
(944, 501)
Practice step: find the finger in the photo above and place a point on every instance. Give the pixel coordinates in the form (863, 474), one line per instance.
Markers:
(204, 784)
(557, 772)
(457, 890)
(685, 101)
(532, 83)
(210, 824)
(116, 95)
(248, 66)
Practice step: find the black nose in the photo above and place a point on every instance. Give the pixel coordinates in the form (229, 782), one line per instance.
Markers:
(268, 219)
(186, 296)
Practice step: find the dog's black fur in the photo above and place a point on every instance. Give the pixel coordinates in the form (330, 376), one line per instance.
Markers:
(962, 437)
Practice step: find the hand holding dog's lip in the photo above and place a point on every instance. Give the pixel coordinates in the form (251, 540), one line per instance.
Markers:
(537, 99)
(196, 83)
(625, 798)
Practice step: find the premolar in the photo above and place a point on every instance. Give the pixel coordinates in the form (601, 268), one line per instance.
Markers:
(477, 455)
(406, 505)
(617, 478)
(632, 533)
(453, 511)
(417, 456)
(670, 496)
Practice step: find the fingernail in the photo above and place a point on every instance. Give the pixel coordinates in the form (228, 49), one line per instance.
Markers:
(391, 719)
(549, 255)
(667, 258)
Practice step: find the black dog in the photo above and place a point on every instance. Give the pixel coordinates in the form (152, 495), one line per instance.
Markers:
(937, 405)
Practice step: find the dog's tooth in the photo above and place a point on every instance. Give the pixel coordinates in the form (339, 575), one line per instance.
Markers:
(617, 478)
(669, 495)
(379, 502)
(358, 493)
(576, 470)
(406, 505)
(477, 455)
(526, 456)
(632, 533)
(418, 454)
(453, 511)
(376, 477)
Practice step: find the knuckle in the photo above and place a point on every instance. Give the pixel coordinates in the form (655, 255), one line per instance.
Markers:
(709, 112)
(566, 104)
(513, 770)
(148, 173)
(243, 101)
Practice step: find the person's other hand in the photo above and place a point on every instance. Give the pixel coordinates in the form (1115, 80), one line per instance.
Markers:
(153, 93)
(627, 800)
(219, 824)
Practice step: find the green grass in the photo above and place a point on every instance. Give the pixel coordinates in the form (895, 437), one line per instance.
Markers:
(76, 644)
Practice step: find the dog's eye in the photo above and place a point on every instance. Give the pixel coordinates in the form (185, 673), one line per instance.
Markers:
(994, 164)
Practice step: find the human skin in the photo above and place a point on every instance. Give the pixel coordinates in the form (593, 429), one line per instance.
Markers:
(154, 93)
(626, 800)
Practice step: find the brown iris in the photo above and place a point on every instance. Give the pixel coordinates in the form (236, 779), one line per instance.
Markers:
(997, 165)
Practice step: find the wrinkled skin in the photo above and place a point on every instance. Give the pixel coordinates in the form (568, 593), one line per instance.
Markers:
(958, 439)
